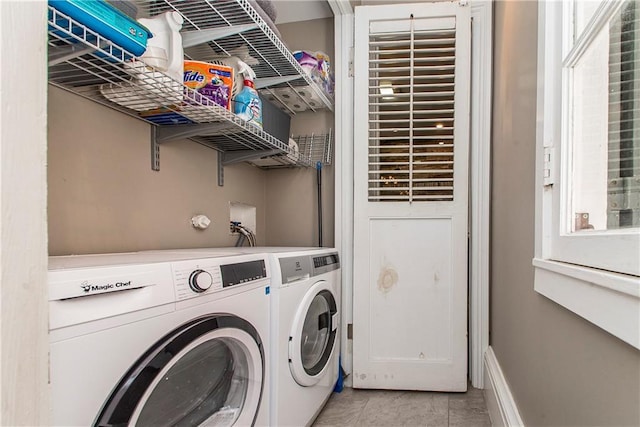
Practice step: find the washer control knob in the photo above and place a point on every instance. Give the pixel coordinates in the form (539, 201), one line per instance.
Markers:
(200, 281)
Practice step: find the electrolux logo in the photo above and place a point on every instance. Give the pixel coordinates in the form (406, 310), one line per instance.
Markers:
(89, 287)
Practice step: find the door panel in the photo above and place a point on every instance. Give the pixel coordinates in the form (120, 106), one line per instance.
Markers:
(410, 292)
(411, 161)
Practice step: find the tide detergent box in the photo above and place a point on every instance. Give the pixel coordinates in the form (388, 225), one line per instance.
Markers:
(212, 81)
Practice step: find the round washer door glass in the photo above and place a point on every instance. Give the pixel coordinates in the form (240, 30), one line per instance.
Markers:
(207, 384)
(313, 335)
(209, 371)
(315, 332)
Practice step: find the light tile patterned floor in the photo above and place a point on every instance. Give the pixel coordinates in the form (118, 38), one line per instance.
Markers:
(404, 408)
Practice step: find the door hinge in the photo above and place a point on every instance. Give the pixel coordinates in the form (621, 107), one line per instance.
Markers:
(464, 3)
(548, 168)
(351, 73)
(349, 331)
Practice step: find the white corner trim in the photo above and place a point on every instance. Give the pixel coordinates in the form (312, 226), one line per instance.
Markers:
(24, 308)
(344, 33)
(500, 403)
(340, 7)
(608, 300)
(480, 186)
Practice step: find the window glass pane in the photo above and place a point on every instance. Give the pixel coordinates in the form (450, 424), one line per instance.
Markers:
(605, 130)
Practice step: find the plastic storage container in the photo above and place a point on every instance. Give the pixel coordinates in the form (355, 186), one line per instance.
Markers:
(107, 21)
(164, 49)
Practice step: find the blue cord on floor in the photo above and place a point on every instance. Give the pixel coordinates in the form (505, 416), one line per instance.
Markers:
(340, 383)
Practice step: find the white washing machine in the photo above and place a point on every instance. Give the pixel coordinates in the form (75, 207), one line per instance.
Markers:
(305, 329)
(159, 339)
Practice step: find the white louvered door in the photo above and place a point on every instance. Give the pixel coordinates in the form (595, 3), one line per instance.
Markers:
(412, 89)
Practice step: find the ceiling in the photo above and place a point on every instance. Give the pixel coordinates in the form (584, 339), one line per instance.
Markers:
(301, 10)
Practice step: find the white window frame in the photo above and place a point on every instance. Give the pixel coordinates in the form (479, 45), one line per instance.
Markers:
(593, 274)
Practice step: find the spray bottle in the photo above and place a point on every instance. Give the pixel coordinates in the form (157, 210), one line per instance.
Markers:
(247, 104)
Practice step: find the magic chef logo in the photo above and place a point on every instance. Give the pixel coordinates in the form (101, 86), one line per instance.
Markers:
(89, 287)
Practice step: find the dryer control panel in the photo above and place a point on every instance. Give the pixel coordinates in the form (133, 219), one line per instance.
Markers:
(325, 263)
(302, 267)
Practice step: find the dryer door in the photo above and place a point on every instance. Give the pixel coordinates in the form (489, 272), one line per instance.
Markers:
(209, 371)
(313, 334)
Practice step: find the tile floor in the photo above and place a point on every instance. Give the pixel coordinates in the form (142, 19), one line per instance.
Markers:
(404, 408)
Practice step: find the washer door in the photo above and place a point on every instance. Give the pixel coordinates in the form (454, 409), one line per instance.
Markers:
(209, 371)
(313, 334)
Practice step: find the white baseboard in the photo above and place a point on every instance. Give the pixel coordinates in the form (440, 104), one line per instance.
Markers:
(502, 408)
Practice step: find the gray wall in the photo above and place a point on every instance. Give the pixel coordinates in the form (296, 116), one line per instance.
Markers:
(561, 369)
(104, 197)
(292, 198)
(292, 218)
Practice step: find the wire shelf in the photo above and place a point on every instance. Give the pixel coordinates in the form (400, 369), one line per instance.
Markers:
(316, 148)
(309, 149)
(85, 63)
(260, 47)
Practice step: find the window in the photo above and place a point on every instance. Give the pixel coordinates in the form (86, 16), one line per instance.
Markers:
(588, 198)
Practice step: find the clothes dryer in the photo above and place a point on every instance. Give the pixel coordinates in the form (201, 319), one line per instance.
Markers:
(305, 332)
(160, 339)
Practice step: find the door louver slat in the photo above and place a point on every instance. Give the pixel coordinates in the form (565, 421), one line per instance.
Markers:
(411, 115)
(435, 77)
(419, 43)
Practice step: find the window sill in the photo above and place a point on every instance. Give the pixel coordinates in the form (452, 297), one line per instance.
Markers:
(608, 300)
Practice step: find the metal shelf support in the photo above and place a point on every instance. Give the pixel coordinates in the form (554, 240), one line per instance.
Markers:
(193, 38)
(231, 157)
(60, 54)
(264, 82)
(176, 132)
(162, 134)
(155, 150)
